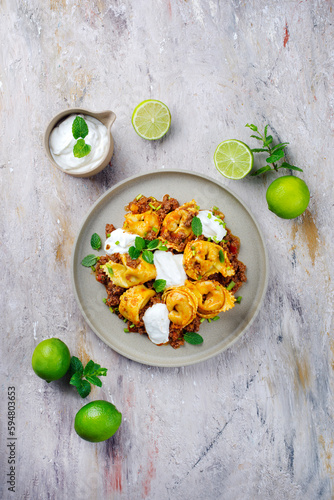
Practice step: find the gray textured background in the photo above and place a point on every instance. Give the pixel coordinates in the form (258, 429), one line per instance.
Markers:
(257, 420)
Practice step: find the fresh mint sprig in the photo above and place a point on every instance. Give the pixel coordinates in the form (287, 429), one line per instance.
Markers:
(145, 246)
(80, 129)
(82, 378)
(276, 153)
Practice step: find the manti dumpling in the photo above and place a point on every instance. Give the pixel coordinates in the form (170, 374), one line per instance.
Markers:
(133, 300)
(176, 228)
(126, 276)
(202, 258)
(181, 303)
(212, 297)
(142, 224)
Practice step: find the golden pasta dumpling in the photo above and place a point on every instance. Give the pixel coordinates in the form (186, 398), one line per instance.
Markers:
(202, 258)
(181, 303)
(125, 276)
(213, 298)
(142, 224)
(176, 228)
(133, 301)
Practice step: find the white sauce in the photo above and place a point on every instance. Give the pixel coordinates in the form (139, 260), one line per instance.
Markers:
(119, 241)
(156, 322)
(61, 144)
(212, 226)
(170, 268)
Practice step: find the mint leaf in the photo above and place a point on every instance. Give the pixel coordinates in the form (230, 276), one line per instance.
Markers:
(256, 137)
(89, 368)
(75, 365)
(265, 131)
(193, 338)
(152, 245)
(89, 260)
(81, 149)
(101, 372)
(159, 285)
(268, 140)
(76, 379)
(252, 127)
(93, 379)
(147, 256)
(281, 145)
(140, 243)
(275, 156)
(221, 256)
(84, 388)
(291, 167)
(134, 253)
(261, 170)
(95, 241)
(196, 226)
(79, 128)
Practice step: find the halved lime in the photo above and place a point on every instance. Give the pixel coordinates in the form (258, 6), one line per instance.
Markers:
(233, 159)
(151, 119)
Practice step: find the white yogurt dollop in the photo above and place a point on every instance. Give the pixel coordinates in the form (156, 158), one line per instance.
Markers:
(212, 226)
(170, 268)
(61, 144)
(119, 241)
(156, 323)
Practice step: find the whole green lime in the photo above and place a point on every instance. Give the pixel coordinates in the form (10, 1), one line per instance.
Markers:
(51, 359)
(288, 197)
(97, 421)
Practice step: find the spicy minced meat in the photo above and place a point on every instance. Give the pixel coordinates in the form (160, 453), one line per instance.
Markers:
(230, 243)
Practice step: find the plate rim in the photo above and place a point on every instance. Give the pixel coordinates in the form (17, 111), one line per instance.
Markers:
(208, 354)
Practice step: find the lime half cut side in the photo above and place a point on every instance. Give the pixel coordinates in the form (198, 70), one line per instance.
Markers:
(233, 159)
(151, 119)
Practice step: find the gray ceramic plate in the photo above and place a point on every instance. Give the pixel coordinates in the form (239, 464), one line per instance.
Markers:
(218, 335)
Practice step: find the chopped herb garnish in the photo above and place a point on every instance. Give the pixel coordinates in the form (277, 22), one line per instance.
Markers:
(132, 326)
(108, 235)
(111, 309)
(116, 242)
(138, 197)
(209, 320)
(202, 319)
(221, 256)
(199, 277)
(230, 286)
(93, 269)
(209, 238)
(215, 209)
(158, 208)
(104, 300)
(215, 318)
(209, 215)
(152, 206)
(238, 299)
(125, 320)
(110, 269)
(126, 330)
(155, 229)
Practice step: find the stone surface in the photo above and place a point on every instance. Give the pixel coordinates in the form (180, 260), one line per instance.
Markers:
(257, 420)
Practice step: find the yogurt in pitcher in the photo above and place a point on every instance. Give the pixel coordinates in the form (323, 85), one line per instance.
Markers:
(61, 144)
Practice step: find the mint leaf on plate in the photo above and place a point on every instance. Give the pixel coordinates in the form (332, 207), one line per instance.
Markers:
(95, 241)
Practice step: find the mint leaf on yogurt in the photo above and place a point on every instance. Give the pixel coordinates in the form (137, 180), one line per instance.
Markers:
(81, 149)
(79, 128)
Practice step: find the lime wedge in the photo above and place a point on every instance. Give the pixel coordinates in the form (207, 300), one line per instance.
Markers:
(151, 119)
(233, 159)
